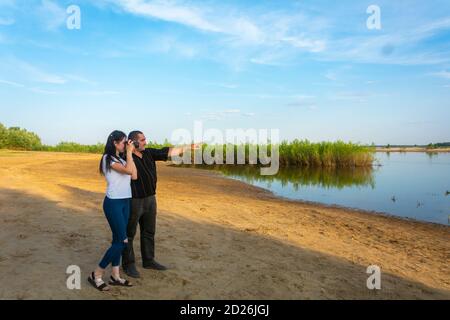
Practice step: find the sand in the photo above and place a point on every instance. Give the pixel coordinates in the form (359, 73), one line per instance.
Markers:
(222, 239)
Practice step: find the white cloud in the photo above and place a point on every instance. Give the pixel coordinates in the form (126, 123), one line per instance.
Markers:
(12, 83)
(74, 93)
(80, 79)
(247, 31)
(351, 96)
(51, 14)
(225, 85)
(43, 91)
(99, 93)
(26, 72)
(169, 43)
(169, 11)
(232, 111)
(278, 38)
(211, 116)
(226, 114)
(442, 74)
(305, 43)
(303, 101)
(432, 28)
(236, 29)
(35, 74)
(396, 47)
(267, 37)
(331, 76)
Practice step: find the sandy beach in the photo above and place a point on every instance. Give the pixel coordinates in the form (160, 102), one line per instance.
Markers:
(222, 239)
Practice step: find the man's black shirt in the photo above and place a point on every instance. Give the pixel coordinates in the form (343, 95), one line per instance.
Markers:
(145, 185)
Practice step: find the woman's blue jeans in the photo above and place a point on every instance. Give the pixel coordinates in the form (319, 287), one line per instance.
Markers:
(117, 211)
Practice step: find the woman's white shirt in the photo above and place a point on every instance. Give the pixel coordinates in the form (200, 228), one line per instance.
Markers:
(118, 184)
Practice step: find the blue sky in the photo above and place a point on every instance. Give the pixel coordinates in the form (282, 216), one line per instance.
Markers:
(309, 68)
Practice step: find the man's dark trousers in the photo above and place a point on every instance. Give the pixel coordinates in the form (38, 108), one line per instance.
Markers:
(143, 212)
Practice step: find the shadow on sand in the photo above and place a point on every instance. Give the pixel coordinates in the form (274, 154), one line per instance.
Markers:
(41, 238)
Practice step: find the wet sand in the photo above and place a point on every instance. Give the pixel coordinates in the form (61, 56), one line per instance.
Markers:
(222, 239)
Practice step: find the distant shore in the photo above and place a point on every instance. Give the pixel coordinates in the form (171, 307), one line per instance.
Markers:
(412, 149)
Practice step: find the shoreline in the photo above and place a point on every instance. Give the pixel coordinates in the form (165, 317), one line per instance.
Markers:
(315, 203)
(412, 149)
(339, 207)
(271, 195)
(221, 238)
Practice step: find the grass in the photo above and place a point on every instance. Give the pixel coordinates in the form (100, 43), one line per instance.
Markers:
(303, 153)
(298, 153)
(325, 154)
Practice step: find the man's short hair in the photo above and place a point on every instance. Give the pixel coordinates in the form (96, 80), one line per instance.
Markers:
(134, 134)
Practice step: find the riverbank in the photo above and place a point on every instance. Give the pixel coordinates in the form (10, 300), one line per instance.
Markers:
(412, 149)
(222, 239)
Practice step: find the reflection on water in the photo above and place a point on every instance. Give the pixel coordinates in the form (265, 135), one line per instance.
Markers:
(413, 185)
(304, 177)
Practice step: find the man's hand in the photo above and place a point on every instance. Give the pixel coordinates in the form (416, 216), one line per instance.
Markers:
(177, 151)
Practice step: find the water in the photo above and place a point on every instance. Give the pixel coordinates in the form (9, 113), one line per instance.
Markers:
(412, 185)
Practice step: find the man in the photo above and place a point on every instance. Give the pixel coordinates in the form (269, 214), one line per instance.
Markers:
(143, 205)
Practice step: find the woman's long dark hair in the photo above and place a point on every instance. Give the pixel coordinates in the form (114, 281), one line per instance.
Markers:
(110, 150)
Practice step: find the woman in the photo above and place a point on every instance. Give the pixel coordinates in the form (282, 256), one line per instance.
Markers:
(118, 171)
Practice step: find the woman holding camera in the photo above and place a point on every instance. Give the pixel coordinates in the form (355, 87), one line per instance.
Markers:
(118, 171)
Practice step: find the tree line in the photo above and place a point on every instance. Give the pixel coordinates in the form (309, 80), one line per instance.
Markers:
(18, 139)
(15, 138)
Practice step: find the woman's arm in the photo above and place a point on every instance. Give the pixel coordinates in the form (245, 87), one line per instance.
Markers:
(122, 169)
(130, 168)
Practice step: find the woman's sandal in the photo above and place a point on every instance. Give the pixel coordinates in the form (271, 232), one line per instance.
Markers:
(101, 287)
(118, 283)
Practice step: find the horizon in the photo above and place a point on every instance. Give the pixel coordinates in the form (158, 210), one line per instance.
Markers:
(167, 140)
(312, 69)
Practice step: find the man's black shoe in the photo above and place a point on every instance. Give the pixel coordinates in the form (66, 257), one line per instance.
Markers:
(131, 271)
(155, 266)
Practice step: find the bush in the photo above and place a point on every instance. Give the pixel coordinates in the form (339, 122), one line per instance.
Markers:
(3, 136)
(18, 139)
(75, 147)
